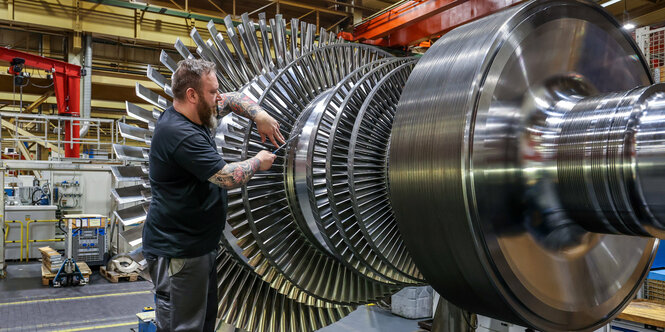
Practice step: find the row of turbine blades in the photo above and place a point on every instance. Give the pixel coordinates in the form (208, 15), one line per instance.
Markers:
(275, 272)
(263, 220)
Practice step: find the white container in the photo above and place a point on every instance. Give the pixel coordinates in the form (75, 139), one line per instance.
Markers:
(413, 302)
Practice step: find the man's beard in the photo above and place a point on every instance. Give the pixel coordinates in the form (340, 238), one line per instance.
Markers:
(207, 114)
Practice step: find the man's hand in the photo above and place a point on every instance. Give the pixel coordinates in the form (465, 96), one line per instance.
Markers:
(241, 104)
(236, 175)
(268, 127)
(266, 158)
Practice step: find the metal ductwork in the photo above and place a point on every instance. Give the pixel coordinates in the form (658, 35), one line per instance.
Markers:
(516, 167)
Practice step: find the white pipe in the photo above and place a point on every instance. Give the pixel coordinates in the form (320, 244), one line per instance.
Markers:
(2, 220)
(87, 84)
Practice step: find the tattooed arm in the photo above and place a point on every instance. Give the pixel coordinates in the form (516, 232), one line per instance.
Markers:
(241, 104)
(235, 175)
(238, 103)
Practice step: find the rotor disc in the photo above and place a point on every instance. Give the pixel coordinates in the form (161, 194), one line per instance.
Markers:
(462, 175)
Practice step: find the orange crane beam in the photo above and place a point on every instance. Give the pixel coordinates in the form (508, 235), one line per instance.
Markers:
(418, 20)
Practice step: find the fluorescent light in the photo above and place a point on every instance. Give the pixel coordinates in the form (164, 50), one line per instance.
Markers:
(609, 3)
(629, 26)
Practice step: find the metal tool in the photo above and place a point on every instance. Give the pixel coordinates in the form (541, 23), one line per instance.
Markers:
(285, 143)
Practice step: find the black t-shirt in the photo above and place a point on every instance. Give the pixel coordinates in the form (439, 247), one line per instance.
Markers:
(187, 213)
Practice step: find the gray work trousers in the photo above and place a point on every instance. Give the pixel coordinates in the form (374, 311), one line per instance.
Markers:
(185, 292)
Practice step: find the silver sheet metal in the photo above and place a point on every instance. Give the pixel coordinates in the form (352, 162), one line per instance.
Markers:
(133, 237)
(135, 133)
(182, 49)
(159, 79)
(137, 256)
(152, 97)
(140, 113)
(131, 153)
(132, 194)
(132, 215)
(167, 61)
(129, 173)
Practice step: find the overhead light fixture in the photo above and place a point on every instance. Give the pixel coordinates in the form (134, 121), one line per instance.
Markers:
(629, 26)
(609, 3)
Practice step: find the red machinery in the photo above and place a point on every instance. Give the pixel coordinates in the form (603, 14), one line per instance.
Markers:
(410, 22)
(66, 82)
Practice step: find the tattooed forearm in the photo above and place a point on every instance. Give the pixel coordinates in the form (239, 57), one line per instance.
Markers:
(235, 175)
(240, 104)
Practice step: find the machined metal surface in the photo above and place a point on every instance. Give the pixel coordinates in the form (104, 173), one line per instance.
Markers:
(509, 156)
(366, 167)
(523, 184)
(278, 239)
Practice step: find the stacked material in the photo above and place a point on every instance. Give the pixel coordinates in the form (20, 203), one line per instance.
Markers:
(51, 259)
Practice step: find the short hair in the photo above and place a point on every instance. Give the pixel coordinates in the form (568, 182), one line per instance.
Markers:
(188, 75)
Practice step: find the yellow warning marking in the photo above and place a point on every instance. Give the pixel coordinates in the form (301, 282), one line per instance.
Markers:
(61, 325)
(97, 327)
(74, 298)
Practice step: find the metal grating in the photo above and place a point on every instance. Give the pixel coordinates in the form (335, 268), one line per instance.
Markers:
(652, 45)
(654, 290)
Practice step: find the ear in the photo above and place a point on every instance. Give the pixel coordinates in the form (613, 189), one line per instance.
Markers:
(192, 96)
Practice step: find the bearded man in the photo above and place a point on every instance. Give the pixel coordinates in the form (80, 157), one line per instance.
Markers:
(189, 180)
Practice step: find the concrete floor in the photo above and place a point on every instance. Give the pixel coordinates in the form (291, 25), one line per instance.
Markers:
(373, 319)
(26, 305)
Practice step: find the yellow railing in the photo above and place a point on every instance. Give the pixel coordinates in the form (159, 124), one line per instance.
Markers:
(25, 245)
(27, 237)
(20, 248)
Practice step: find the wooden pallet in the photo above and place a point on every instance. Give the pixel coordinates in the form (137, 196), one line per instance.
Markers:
(426, 324)
(113, 276)
(48, 276)
(644, 312)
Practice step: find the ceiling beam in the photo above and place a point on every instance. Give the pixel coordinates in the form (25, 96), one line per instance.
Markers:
(39, 101)
(152, 25)
(216, 6)
(310, 7)
(351, 5)
(639, 12)
(403, 26)
(401, 17)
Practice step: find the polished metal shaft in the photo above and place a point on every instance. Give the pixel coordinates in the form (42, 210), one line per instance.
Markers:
(517, 165)
(610, 160)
